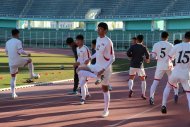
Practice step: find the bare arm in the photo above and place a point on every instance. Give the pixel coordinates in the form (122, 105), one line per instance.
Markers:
(147, 55)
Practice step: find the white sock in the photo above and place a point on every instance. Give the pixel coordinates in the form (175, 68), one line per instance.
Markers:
(83, 92)
(176, 91)
(166, 94)
(188, 98)
(130, 84)
(13, 84)
(87, 92)
(106, 101)
(82, 83)
(143, 87)
(153, 88)
(82, 80)
(87, 74)
(31, 69)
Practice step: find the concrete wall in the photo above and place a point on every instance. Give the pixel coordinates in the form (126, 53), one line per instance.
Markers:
(178, 24)
(90, 25)
(8, 23)
(138, 25)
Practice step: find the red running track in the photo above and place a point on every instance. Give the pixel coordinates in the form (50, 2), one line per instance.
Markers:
(50, 106)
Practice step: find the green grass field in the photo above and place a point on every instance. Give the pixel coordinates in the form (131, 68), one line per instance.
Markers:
(48, 66)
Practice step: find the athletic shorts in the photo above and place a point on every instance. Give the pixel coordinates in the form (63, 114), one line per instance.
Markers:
(139, 71)
(14, 68)
(160, 73)
(174, 79)
(107, 73)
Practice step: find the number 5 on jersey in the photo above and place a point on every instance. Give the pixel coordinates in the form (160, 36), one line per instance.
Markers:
(163, 53)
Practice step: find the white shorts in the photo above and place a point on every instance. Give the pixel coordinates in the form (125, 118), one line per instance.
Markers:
(107, 73)
(160, 73)
(174, 79)
(14, 68)
(95, 68)
(139, 71)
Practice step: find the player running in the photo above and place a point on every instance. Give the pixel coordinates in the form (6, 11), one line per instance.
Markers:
(14, 49)
(137, 52)
(160, 52)
(104, 58)
(83, 54)
(181, 72)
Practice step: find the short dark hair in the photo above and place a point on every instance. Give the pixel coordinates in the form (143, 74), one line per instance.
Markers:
(133, 38)
(164, 35)
(94, 42)
(15, 32)
(103, 25)
(80, 37)
(177, 41)
(187, 35)
(69, 40)
(140, 38)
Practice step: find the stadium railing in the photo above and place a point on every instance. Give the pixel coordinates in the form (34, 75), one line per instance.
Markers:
(37, 38)
(164, 15)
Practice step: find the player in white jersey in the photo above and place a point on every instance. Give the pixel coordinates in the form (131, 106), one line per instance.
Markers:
(14, 49)
(181, 71)
(160, 52)
(83, 54)
(104, 58)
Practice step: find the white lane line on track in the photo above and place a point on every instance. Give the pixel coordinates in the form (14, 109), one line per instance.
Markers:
(38, 104)
(56, 82)
(38, 84)
(139, 114)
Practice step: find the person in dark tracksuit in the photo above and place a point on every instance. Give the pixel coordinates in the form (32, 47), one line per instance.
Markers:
(138, 54)
(93, 46)
(73, 46)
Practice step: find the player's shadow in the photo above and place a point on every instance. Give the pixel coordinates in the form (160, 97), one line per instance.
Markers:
(142, 119)
(102, 122)
(17, 118)
(56, 94)
(98, 123)
(56, 98)
(108, 123)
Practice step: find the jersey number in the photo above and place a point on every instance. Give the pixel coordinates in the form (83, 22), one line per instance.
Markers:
(163, 54)
(185, 57)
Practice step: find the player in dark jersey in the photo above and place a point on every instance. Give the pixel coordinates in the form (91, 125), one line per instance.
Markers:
(138, 54)
(93, 48)
(73, 45)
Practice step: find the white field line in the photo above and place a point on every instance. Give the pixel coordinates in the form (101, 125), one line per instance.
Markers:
(56, 82)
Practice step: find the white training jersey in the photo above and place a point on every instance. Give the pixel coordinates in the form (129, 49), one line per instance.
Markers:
(161, 50)
(104, 52)
(83, 54)
(181, 53)
(12, 47)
